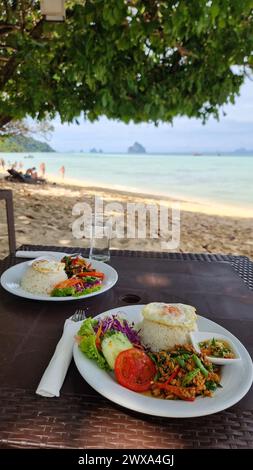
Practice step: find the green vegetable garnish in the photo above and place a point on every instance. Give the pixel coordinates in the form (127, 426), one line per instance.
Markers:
(152, 356)
(87, 327)
(212, 386)
(114, 344)
(64, 292)
(180, 361)
(190, 376)
(182, 352)
(89, 348)
(199, 364)
(70, 291)
(88, 343)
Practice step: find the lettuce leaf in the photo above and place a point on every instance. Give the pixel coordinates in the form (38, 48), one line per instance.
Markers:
(89, 348)
(67, 291)
(88, 343)
(64, 292)
(87, 327)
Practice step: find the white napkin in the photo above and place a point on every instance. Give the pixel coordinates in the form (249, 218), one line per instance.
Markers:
(54, 375)
(35, 254)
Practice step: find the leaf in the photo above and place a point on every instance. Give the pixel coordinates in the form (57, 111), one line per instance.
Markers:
(123, 61)
(214, 10)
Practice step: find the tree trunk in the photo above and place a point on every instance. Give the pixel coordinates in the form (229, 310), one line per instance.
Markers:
(4, 120)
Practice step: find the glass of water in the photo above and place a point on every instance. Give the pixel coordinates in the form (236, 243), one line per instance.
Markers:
(100, 243)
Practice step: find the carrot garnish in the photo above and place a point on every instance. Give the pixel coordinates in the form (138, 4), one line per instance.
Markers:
(68, 283)
(91, 273)
(98, 335)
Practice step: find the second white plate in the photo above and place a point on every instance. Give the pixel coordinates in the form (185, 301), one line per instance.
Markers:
(10, 280)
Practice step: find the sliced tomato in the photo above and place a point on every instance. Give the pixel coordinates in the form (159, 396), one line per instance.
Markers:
(134, 370)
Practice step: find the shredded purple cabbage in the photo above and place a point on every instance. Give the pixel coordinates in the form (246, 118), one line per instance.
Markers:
(87, 285)
(119, 324)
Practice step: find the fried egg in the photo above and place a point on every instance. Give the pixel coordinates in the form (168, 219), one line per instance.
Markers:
(170, 314)
(48, 266)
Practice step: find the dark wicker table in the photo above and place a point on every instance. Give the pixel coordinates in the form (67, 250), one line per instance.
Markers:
(221, 289)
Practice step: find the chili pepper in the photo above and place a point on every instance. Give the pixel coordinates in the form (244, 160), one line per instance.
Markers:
(199, 364)
(171, 377)
(180, 392)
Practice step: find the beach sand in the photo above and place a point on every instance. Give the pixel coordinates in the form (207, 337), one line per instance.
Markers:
(43, 215)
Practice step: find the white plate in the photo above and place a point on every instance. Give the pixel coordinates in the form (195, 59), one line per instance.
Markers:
(236, 379)
(10, 280)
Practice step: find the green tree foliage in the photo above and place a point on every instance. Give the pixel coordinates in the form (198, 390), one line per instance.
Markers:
(140, 60)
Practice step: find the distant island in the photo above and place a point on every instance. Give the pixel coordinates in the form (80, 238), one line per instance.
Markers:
(21, 143)
(94, 150)
(238, 152)
(243, 151)
(136, 148)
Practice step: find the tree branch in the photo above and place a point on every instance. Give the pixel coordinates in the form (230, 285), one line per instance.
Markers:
(7, 46)
(4, 120)
(22, 15)
(7, 28)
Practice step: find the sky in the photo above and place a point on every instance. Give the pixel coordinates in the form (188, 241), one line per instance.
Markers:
(233, 131)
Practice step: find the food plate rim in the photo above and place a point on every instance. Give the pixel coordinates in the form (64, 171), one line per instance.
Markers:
(123, 394)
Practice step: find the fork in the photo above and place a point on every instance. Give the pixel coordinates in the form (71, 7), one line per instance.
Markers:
(79, 315)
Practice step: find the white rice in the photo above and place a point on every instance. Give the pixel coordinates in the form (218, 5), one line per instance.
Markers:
(41, 283)
(163, 337)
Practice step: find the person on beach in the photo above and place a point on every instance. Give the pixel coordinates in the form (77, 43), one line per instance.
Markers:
(62, 171)
(20, 165)
(2, 163)
(43, 169)
(32, 173)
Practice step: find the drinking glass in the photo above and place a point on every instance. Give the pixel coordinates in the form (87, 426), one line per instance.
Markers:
(100, 243)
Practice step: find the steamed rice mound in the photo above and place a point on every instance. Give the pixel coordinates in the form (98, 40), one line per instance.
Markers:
(41, 277)
(162, 330)
(161, 337)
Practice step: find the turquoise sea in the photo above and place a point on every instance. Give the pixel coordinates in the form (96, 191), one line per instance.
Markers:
(216, 179)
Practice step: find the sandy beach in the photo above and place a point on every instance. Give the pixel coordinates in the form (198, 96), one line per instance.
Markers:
(43, 215)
